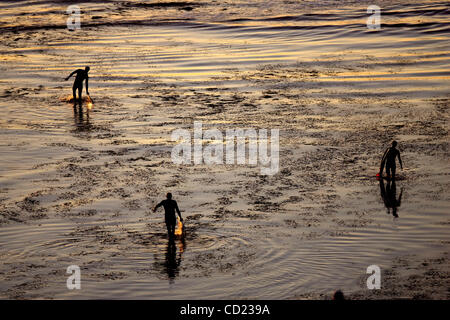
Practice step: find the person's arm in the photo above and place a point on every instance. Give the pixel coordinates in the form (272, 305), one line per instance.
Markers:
(87, 84)
(157, 206)
(400, 159)
(71, 75)
(178, 211)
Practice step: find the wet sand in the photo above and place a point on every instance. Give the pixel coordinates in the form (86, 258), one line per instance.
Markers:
(77, 187)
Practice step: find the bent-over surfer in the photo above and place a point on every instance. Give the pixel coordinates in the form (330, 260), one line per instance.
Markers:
(78, 83)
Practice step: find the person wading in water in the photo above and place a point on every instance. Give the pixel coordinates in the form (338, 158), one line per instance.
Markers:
(78, 83)
(170, 206)
(389, 160)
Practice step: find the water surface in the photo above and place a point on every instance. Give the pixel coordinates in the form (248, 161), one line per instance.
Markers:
(77, 187)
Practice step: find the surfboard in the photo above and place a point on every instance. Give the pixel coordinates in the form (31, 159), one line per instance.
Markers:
(89, 99)
(382, 167)
(179, 229)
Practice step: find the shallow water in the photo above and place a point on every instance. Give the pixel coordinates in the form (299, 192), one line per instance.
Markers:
(77, 187)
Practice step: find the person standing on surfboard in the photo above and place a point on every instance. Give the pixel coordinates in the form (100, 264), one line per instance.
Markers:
(78, 83)
(170, 206)
(389, 160)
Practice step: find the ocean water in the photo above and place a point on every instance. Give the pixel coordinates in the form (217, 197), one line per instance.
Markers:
(77, 186)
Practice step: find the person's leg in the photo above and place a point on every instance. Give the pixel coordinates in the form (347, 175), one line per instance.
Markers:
(393, 171)
(388, 169)
(80, 90)
(170, 228)
(74, 91)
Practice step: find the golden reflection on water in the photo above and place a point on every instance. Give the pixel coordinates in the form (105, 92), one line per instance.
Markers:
(90, 103)
(352, 77)
(82, 119)
(179, 229)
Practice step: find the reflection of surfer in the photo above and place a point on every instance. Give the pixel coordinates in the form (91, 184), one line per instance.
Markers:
(173, 261)
(81, 123)
(389, 195)
(389, 160)
(78, 83)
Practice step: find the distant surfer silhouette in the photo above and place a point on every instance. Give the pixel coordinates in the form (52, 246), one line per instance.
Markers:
(388, 160)
(81, 75)
(389, 195)
(170, 206)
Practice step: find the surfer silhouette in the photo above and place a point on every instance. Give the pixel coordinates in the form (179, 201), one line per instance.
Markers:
(388, 160)
(81, 75)
(170, 206)
(389, 195)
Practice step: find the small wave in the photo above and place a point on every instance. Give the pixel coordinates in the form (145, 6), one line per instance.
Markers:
(183, 5)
